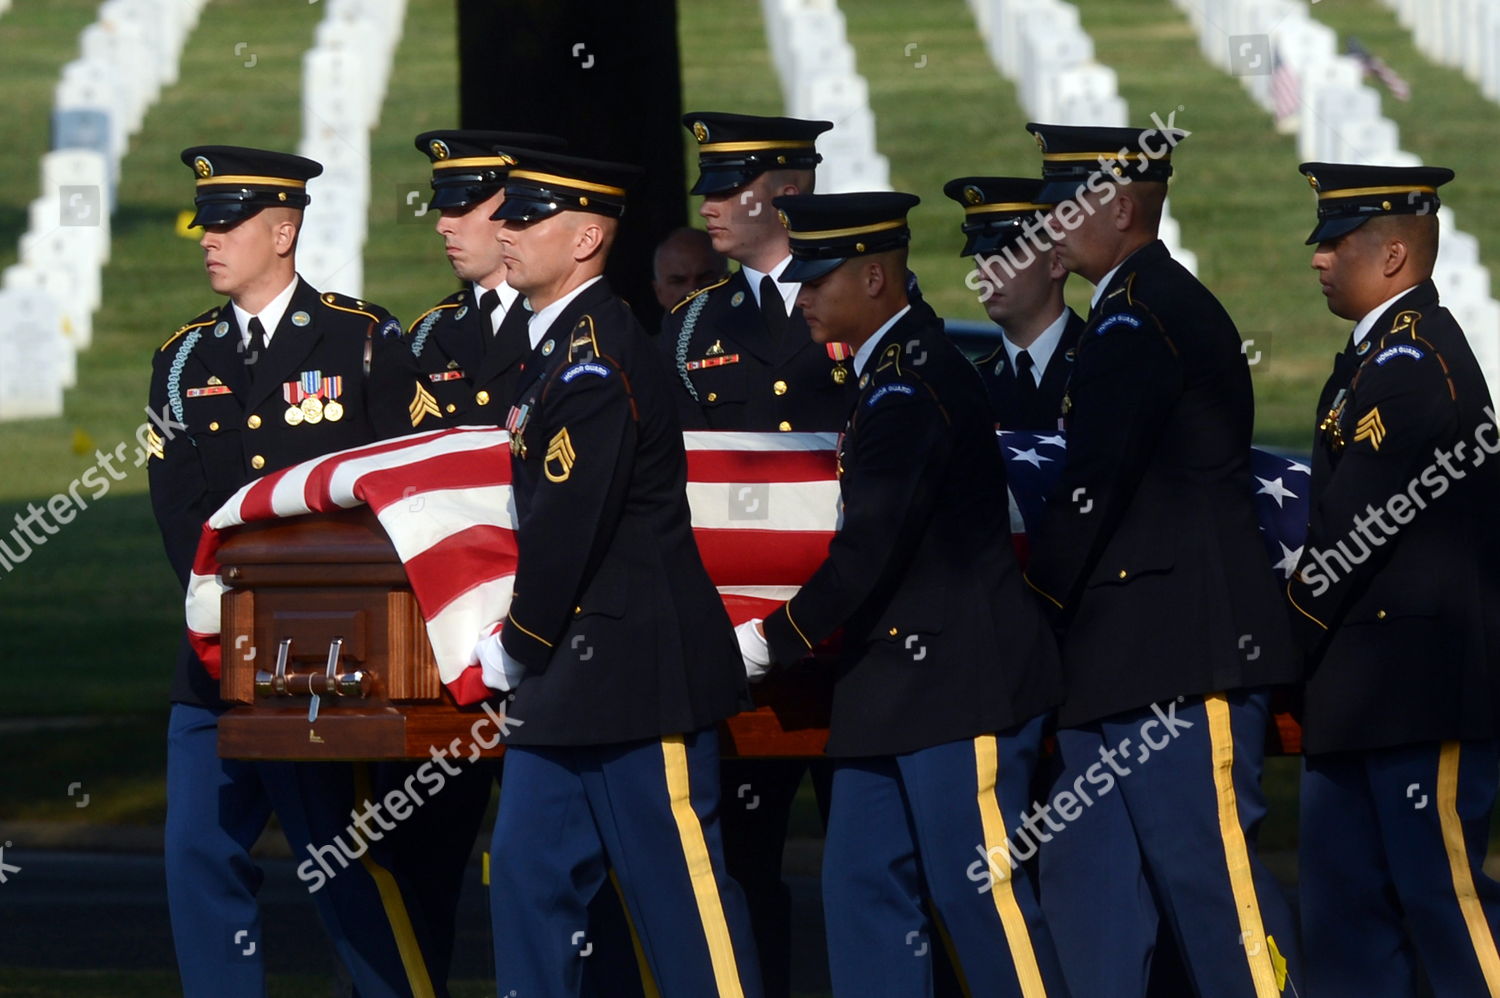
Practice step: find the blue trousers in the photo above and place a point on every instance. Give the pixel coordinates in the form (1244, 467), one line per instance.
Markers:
(216, 809)
(1392, 834)
(648, 810)
(932, 828)
(1155, 817)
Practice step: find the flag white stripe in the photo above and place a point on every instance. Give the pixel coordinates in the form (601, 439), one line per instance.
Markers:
(424, 519)
(764, 506)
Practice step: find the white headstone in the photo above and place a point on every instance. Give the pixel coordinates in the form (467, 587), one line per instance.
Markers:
(32, 355)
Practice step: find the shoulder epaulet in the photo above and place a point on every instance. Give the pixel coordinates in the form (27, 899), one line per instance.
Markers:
(450, 302)
(694, 294)
(582, 343)
(346, 304)
(202, 320)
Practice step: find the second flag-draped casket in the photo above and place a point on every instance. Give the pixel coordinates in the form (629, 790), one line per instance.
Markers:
(340, 600)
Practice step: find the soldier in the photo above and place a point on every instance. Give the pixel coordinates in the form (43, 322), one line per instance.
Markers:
(276, 375)
(1151, 562)
(461, 363)
(1022, 291)
(685, 261)
(742, 359)
(1399, 623)
(947, 662)
(617, 650)
(468, 346)
(739, 350)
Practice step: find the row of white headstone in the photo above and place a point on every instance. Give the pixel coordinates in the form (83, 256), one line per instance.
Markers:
(1340, 121)
(344, 79)
(1461, 33)
(815, 64)
(47, 300)
(1042, 47)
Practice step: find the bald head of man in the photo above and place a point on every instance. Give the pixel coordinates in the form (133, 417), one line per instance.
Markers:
(685, 261)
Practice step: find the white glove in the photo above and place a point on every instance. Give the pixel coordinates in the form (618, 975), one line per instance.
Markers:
(754, 649)
(500, 671)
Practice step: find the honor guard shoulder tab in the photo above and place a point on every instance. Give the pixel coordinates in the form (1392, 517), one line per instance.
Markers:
(202, 320)
(694, 294)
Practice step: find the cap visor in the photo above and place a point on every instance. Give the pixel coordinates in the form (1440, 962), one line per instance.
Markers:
(460, 195)
(719, 181)
(223, 213)
(1332, 228)
(991, 243)
(518, 207)
(1058, 191)
(801, 270)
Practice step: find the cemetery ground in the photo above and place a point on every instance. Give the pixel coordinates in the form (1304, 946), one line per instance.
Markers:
(89, 622)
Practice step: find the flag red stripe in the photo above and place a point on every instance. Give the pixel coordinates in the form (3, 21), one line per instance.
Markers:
(761, 466)
(761, 557)
(459, 562)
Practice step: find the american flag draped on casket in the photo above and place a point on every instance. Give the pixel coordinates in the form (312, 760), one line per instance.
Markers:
(764, 507)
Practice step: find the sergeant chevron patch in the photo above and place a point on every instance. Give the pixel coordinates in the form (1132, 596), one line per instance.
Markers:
(559, 453)
(1370, 427)
(422, 405)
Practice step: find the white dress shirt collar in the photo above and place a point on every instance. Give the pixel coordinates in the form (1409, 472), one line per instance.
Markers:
(270, 316)
(542, 321)
(862, 355)
(788, 291)
(1363, 327)
(508, 296)
(1042, 348)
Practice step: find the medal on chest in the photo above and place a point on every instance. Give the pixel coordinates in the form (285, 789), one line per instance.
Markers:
(1330, 426)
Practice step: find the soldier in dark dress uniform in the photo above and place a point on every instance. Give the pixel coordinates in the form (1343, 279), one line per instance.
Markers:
(276, 374)
(739, 349)
(947, 662)
(1022, 292)
(468, 347)
(1396, 601)
(617, 652)
(741, 358)
(1151, 562)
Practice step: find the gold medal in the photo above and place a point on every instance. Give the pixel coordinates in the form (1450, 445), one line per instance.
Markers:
(333, 411)
(293, 415)
(312, 409)
(839, 374)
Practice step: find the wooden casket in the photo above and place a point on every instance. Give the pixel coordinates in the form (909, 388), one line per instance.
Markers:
(326, 656)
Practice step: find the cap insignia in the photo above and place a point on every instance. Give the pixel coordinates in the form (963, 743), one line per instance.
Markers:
(700, 131)
(972, 195)
(439, 149)
(203, 167)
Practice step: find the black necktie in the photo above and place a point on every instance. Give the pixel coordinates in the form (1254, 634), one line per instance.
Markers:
(257, 344)
(1026, 389)
(488, 302)
(772, 307)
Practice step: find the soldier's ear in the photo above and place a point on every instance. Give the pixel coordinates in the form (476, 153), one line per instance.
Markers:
(1394, 256)
(875, 279)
